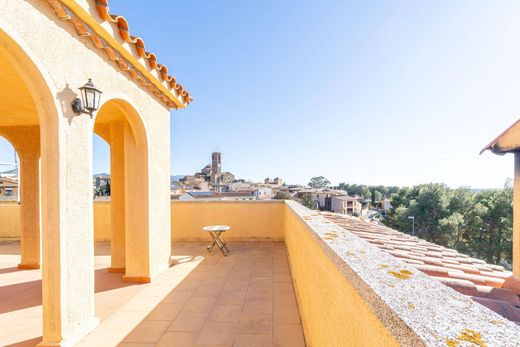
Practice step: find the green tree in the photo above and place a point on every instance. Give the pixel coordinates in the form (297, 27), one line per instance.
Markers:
(319, 182)
(282, 195)
(307, 201)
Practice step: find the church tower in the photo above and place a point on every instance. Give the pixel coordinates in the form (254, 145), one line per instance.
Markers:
(216, 167)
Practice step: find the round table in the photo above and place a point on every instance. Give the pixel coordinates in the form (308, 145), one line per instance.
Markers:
(215, 231)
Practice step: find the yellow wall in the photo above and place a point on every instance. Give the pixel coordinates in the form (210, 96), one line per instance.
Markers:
(249, 220)
(332, 312)
(102, 220)
(9, 220)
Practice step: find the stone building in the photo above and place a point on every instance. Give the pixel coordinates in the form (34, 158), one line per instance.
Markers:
(216, 168)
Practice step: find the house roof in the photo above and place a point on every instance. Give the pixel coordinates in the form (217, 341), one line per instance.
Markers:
(347, 198)
(161, 84)
(484, 283)
(506, 141)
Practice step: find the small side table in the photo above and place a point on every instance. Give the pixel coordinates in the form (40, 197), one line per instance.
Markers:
(215, 231)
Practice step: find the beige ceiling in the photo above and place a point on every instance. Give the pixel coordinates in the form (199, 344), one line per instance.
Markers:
(16, 104)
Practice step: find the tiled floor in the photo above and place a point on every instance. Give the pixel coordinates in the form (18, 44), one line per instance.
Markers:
(245, 299)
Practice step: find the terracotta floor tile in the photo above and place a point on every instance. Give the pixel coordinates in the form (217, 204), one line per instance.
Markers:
(123, 320)
(200, 304)
(165, 311)
(253, 341)
(148, 332)
(283, 287)
(259, 293)
(228, 298)
(189, 285)
(284, 299)
(235, 298)
(178, 296)
(101, 338)
(188, 321)
(255, 324)
(177, 339)
(260, 282)
(282, 277)
(235, 286)
(264, 305)
(225, 313)
(208, 291)
(286, 315)
(217, 333)
(288, 335)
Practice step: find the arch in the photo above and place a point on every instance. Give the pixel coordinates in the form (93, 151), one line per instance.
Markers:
(129, 109)
(37, 84)
(121, 125)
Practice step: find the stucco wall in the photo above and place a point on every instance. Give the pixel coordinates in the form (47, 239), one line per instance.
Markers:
(249, 220)
(10, 220)
(331, 309)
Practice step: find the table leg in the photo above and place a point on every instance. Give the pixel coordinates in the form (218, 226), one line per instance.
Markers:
(210, 247)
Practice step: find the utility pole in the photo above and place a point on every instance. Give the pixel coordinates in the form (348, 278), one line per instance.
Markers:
(413, 224)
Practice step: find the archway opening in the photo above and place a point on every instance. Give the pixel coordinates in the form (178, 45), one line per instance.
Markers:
(20, 230)
(120, 197)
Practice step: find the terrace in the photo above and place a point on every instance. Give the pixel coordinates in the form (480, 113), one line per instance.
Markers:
(292, 278)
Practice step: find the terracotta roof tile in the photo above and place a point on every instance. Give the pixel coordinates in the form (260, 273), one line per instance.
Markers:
(485, 283)
(151, 58)
(503, 308)
(498, 294)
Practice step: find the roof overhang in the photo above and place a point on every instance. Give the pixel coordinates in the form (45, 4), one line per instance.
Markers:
(142, 66)
(508, 141)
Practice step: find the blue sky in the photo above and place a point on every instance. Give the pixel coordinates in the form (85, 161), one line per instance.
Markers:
(375, 92)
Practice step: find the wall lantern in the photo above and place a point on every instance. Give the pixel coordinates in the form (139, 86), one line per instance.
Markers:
(90, 96)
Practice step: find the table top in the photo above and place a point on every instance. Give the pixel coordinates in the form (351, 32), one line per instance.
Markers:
(216, 228)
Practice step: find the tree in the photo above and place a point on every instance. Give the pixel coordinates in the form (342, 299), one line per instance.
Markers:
(307, 201)
(281, 195)
(319, 182)
(479, 224)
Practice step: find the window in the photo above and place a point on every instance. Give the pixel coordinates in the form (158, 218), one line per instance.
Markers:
(8, 191)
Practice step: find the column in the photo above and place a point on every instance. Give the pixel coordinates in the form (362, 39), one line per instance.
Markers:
(67, 229)
(137, 239)
(117, 196)
(516, 218)
(30, 210)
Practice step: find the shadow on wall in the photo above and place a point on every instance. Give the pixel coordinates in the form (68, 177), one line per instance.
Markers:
(66, 96)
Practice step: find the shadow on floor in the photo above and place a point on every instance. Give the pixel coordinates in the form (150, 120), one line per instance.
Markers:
(8, 269)
(26, 343)
(29, 294)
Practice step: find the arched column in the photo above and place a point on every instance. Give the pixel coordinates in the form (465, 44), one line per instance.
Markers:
(117, 196)
(30, 237)
(136, 208)
(26, 141)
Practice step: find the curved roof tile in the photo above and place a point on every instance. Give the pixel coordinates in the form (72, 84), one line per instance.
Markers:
(467, 275)
(124, 32)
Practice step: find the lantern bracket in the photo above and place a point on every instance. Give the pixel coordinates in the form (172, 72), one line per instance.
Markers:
(77, 107)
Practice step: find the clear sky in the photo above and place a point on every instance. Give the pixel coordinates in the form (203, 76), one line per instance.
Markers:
(374, 92)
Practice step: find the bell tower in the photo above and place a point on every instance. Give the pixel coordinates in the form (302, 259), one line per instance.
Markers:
(216, 167)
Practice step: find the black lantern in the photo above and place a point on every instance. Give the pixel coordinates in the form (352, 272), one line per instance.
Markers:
(90, 96)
